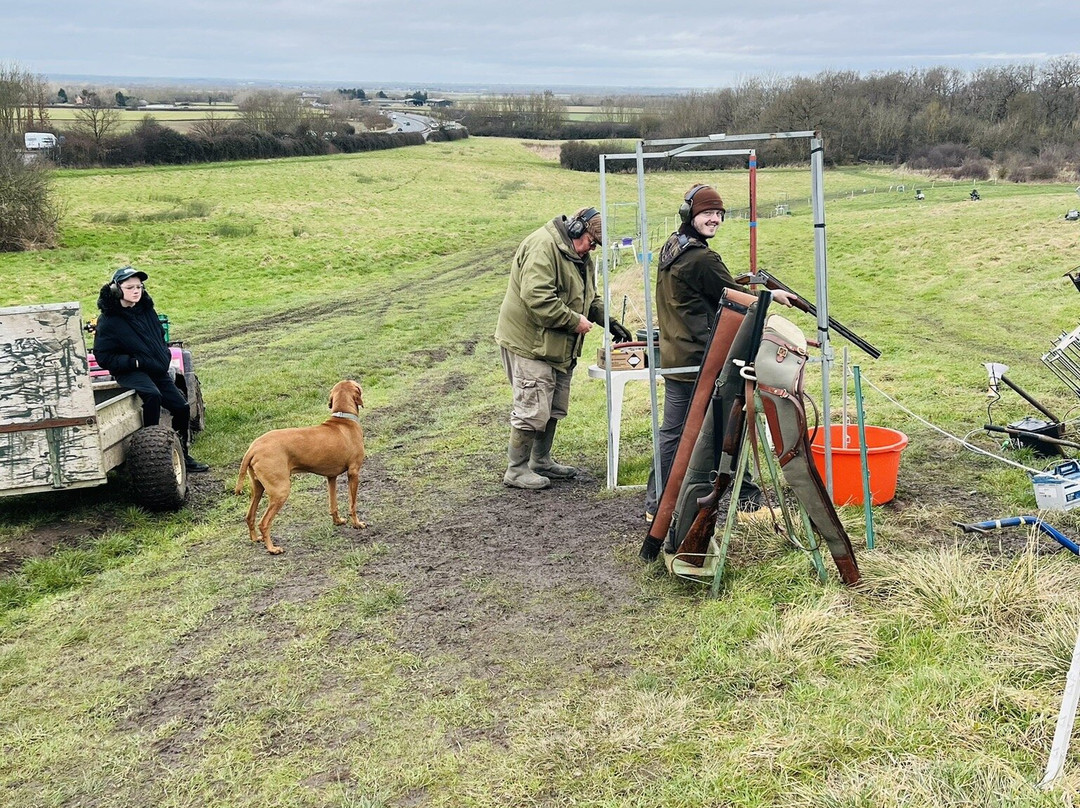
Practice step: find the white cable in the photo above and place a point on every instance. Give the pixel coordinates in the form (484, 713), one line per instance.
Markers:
(963, 441)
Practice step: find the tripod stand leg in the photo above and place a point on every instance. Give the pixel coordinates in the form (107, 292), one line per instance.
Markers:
(811, 539)
(733, 506)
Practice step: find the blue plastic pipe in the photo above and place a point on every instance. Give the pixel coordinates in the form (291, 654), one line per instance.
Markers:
(1015, 521)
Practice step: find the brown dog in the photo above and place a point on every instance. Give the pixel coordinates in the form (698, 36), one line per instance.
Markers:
(330, 449)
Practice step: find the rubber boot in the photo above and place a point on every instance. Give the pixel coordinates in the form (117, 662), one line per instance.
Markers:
(190, 463)
(518, 474)
(540, 460)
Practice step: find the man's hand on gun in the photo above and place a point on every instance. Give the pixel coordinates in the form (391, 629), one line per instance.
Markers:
(783, 298)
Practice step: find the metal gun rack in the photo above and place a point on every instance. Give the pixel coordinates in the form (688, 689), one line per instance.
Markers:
(1063, 359)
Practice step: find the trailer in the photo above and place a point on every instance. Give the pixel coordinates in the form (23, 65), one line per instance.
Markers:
(64, 425)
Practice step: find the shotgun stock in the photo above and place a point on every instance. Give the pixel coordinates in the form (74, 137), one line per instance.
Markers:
(802, 304)
(695, 543)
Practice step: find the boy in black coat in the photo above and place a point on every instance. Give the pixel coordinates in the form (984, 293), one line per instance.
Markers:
(130, 343)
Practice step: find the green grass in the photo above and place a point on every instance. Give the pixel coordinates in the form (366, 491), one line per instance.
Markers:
(164, 663)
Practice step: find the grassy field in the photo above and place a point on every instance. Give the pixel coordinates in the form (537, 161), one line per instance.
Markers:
(179, 119)
(483, 647)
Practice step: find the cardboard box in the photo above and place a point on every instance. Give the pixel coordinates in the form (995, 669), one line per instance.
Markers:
(630, 358)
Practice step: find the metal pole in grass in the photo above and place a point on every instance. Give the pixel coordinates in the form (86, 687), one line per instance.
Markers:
(821, 288)
(868, 506)
(612, 472)
(1066, 717)
(753, 212)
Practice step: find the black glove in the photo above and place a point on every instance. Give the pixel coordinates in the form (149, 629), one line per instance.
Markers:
(619, 332)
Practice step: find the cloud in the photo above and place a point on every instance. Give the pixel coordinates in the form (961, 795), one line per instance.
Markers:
(480, 42)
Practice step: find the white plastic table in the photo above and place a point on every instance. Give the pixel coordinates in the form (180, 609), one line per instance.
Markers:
(619, 378)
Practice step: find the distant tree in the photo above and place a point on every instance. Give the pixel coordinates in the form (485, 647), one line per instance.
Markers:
(210, 126)
(23, 102)
(274, 112)
(62, 96)
(96, 121)
(121, 99)
(381, 94)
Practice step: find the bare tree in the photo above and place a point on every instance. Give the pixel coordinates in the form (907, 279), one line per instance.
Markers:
(1059, 88)
(95, 120)
(210, 127)
(19, 92)
(274, 112)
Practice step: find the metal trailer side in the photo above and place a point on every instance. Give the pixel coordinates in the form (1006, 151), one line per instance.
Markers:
(56, 430)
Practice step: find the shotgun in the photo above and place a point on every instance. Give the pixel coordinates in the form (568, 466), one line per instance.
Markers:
(696, 542)
(771, 282)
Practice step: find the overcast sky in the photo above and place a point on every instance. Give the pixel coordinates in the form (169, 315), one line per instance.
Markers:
(431, 43)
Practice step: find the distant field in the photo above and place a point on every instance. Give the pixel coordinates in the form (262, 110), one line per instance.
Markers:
(180, 119)
(596, 113)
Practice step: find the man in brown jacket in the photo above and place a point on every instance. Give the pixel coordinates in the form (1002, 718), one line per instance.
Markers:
(690, 278)
(550, 305)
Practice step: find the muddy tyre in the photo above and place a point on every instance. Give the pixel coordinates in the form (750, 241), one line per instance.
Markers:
(155, 466)
(198, 407)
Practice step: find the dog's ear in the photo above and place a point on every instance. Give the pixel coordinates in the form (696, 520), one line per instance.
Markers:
(359, 395)
(330, 401)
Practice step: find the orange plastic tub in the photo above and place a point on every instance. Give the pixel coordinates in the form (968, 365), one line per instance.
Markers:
(883, 448)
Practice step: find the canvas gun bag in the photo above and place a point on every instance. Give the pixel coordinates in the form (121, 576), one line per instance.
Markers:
(707, 459)
(729, 316)
(779, 367)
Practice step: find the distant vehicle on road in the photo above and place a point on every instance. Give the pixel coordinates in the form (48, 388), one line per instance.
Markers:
(39, 140)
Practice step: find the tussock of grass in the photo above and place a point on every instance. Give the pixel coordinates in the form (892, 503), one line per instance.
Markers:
(952, 589)
(234, 229)
(816, 636)
(184, 209)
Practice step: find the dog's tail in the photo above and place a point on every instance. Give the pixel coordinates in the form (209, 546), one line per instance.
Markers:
(243, 472)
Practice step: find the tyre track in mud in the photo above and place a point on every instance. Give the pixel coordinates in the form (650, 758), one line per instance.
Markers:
(369, 305)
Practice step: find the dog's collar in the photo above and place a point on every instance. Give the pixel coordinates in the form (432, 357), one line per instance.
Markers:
(348, 415)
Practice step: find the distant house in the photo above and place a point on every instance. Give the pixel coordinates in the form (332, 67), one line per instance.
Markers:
(440, 102)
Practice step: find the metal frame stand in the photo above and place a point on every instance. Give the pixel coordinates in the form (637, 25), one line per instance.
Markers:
(693, 147)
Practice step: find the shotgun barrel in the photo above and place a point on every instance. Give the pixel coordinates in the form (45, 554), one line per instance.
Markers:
(801, 303)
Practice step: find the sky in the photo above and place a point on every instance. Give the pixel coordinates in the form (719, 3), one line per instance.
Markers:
(426, 44)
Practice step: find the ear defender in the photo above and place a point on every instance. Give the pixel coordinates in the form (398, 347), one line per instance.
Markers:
(687, 205)
(580, 223)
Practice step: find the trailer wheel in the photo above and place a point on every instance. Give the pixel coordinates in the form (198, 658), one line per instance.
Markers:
(198, 407)
(155, 464)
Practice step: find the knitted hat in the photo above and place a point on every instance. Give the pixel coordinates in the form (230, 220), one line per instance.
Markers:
(706, 199)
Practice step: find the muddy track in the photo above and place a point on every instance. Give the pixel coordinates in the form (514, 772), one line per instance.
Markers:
(372, 306)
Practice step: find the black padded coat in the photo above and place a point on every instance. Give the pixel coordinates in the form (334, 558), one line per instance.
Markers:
(125, 335)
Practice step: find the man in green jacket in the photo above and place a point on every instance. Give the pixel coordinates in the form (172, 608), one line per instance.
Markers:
(550, 305)
(690, 278)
